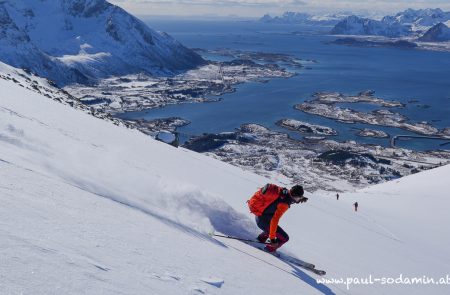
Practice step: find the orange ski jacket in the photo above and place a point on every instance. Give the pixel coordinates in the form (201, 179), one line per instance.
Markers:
(270, 201)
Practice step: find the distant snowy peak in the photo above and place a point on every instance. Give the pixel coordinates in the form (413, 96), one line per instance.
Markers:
(438, 33)
(354, 25)
(405, 23)
(420, 20)
(266, 18)
(82, 40)
(423, 17)
(290, 17)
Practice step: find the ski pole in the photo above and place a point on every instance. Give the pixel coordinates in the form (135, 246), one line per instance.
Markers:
(236, 238)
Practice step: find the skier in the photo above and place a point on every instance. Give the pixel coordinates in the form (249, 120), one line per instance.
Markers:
(337, 197)
(269, 204)
(356, 206)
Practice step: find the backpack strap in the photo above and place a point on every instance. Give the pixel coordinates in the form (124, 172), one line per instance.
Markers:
(265, 188)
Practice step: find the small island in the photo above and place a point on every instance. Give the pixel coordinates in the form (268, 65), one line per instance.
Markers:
(366, 132)
(365, 42)
(261, 57)
(366, 96)
(324, 105)
(304, 127)
(377, 117)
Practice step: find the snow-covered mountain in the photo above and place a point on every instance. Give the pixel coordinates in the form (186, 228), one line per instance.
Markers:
(408, 22)
(354, 25)
(290, 17)
(420, 20)
(438, 33)
(83, 40)
(88, 207)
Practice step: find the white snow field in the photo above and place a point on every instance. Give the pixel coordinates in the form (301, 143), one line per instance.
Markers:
(88, 207)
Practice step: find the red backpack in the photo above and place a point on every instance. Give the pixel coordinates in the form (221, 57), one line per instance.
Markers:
(263, 198)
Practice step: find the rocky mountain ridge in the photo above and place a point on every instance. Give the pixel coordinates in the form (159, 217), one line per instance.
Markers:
(80, 41)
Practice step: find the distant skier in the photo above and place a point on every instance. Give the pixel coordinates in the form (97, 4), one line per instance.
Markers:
(356, 206)
(337, 197)
(269, 204)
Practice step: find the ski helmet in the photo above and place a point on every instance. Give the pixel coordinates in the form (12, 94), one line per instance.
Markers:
(297, 191)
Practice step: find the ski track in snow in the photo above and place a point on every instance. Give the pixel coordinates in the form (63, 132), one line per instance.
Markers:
(384, 231)
(280, 265)
(26, 249)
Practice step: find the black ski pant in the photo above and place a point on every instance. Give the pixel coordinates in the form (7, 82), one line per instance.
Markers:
(263, 223)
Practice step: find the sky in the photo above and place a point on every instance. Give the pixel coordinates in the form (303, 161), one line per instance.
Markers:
(257, 8)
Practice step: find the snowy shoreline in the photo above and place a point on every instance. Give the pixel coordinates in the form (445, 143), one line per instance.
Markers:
(118, 95)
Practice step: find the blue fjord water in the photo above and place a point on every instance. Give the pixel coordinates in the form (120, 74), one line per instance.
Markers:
(399, 74)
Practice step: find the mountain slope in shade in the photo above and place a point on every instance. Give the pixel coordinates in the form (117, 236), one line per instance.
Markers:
(18, 49)
(354, 25)
(438, 33)
(82, 40)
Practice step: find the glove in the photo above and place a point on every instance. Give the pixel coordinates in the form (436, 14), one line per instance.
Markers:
(303, 200)
(272, 241)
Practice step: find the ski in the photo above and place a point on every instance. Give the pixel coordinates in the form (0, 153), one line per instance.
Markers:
(295, 261)
(305, 265)
(286, 258)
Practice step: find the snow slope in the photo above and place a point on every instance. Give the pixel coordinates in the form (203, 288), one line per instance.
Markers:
(93, 208)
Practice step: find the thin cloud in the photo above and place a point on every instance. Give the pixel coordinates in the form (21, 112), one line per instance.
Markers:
(263, 3)
(259, 7)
